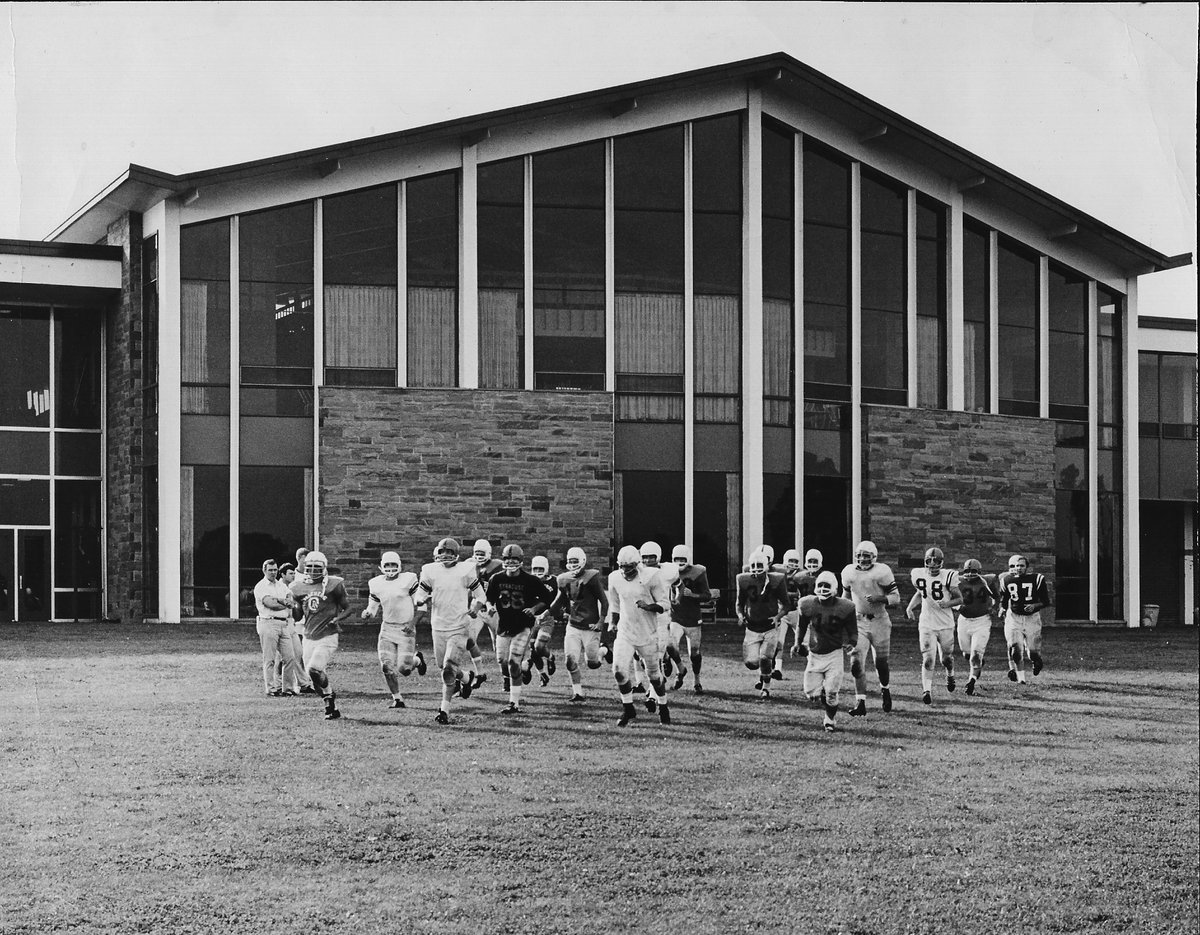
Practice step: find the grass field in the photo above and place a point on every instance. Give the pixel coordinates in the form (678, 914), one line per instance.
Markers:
(148, 786)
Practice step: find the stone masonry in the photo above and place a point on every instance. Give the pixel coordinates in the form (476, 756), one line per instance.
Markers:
(975, 485)
(123, 451)
(402, 468)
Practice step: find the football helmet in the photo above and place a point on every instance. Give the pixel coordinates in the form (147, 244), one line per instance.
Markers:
(768, 551)
(482, 550)
(826, 585)
(813, 559)
(513, 557)
(446, 551)
(315, 565)
(1018, 564)
(389, 564)
(791, 560)
(540, 566)
(865, 554)
(651, 554)
(972, 567)
(681, 555)
(759, 563)
(628, 560)
(934, 558)
(576, 559)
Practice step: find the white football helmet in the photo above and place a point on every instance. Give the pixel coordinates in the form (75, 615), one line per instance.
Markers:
(389, 564)
(681, 555)
(651, 554)
(826, 585)
(576, 560)
(315, 565)
(865, 554)
(813, 560)
(482, 551)
(768, 551)
(540, 566)
(759, 563)
(791, 560)
(628, 560)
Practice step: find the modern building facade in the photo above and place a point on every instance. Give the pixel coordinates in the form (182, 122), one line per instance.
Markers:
(738, 305)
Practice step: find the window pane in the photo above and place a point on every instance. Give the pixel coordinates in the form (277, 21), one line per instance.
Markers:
(1068, 292)
(77, 524)
(77, 348)
(204, 540)
(883, 350)
(24, 453)
(24, 502)
(1018, 364)
(884, 290)
(826, 267)
(204, 316)
(1148, 388)
(976, 332)
(502, 274)
(77, 453)
(826, 439)
(651, 508)
(826, 344)
(359, 237)
(1110, 375)
(931, 303)
(24, 367)
(276, 295)
(432, 237)
(1017, 284)
(272, 515)
(1177, 390)
(568, 268)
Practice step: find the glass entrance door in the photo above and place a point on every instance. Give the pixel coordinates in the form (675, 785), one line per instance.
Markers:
(33, 574)
(8, 574)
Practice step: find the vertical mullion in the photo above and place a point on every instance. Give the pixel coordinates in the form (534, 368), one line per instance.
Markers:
(527, 233)
(689, 349)
(401, 287)
(856, 414)
(235, 410)
(1093, 450)
(1043, 337)
(798, 340)
(910, 298)
(993, 322)
(956, 391)
(752, 325)
(610, 267)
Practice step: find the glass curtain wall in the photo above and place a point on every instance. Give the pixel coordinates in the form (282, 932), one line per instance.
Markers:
(779, 346)
(360, 282)
(826, 354)
(648, 282)
(717, 343)
(204, 421)
(1109, 480)
(568, 268)
(431, 230)
(977, 322)
(931, 303)
(1167, 430)
(501, 251)
(884, 290)
(1017, 296)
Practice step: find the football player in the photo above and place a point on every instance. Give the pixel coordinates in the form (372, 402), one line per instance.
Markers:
(637, 597)
(652, 559)
(831, 634)
(392, 593)
(581, 594)
(540, 656)
(323, 598)
(762, 601)
(871, 586)
(519, 598)
(799, 579)
(979, 594)
(485, 567)
(1023, 595)
(450, 587)
(690, 591)
(936, 593)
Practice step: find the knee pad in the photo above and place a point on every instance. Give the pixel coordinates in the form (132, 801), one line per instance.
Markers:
(594, 665)
(573, 664)
(448, 675)
(695, 657)
(388, 669)
(831, 700)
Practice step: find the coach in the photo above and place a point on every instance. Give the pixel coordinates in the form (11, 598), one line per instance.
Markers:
(274, 601)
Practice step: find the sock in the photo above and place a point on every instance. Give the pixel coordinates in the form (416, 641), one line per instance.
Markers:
(926, 682)
(858, 698)
(626, 697)
(514, 693)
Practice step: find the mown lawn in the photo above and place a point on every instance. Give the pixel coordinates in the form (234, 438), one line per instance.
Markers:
(148, 786)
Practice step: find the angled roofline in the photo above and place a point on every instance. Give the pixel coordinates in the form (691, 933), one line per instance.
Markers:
(138, 183)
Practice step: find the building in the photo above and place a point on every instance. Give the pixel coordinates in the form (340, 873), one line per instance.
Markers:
(738, 305)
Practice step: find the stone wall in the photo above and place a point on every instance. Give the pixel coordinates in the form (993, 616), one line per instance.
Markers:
(975, 485)
(123, 450)
(402, 468)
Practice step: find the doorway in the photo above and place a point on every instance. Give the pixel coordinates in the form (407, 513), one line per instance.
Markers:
(24, 575)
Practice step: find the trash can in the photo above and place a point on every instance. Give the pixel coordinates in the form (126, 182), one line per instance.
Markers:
(1150, 615)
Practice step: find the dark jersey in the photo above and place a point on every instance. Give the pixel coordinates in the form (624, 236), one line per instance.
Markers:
(493, 566)
(1018, 592)
(584, 596)
(801, 583)
(760, 600)
(511, 594)
(321, 604)
(979, 594)
(685, 608)
(832, 623)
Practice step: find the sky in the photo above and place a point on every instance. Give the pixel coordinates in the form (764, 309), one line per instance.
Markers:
(1093, 102)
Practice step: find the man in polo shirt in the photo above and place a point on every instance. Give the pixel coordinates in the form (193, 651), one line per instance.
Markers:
(273, 599)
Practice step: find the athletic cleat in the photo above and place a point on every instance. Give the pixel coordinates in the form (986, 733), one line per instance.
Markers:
(829, 728)
(545, 679)
(860, 709)
(777, 674)
(886, 695)
(480, 678)
(442, 717)
(927, 697)
(506, 684)
(628, 713)
(275, 694)
(639, 689)
(1037, 666)
(576, 699)
(551, 666)
(680, 676)
(331, 711)
(764, 694)
(970, 686)
(758, 685)
(1012, 675)
(664, 714)
(511, 708)
(950, 683)
(465, 688)
(307, 690)
(526, 676)
(667, 666)
(698, 688)
(421, 667)
(396, 703)
(651, 703)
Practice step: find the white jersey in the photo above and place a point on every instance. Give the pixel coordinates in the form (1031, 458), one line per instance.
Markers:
(395, 596)
(451, 590)
(637, 625)
(670, 577)
(934, 586)
(876, 581)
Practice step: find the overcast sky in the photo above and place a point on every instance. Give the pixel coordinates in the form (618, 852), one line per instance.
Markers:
(1093, 102)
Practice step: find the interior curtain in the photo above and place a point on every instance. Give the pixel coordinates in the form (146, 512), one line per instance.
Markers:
(718, 349)
(971, 331)
(432, 336)
(193, 321)
(929, 361)
(501, 338)
(777, 361)
(360, 326)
